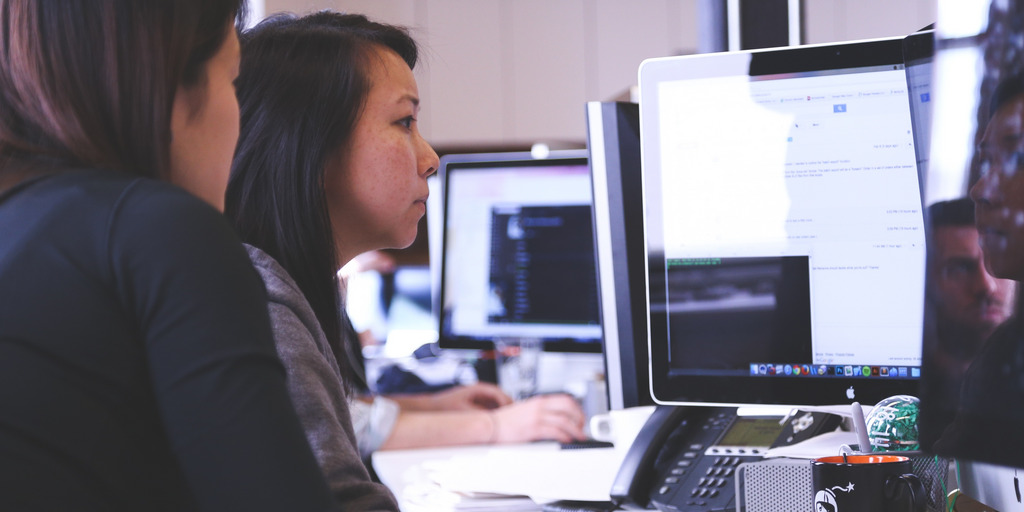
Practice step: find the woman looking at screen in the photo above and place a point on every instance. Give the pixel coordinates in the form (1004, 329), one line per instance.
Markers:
(331, 164)
(137, 368)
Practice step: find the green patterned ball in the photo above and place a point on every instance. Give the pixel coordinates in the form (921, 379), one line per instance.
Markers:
(892, 424)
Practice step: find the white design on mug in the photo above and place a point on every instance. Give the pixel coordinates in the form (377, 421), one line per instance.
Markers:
(825, 500)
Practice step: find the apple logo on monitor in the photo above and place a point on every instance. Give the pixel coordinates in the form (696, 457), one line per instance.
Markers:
(850, 393)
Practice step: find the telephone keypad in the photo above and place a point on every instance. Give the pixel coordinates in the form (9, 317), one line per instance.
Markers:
(707, 487)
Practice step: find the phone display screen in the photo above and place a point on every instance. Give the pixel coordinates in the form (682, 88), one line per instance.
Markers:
(752, 431)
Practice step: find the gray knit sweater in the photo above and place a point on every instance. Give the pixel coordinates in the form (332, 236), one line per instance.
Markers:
(314, 383)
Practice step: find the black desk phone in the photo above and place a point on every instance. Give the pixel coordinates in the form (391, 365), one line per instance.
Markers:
(685, 457)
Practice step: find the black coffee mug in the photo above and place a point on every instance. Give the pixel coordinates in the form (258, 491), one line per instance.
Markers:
(854, 483)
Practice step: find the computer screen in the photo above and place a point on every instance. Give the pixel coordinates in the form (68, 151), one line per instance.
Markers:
(517, 256)
(613, 142)
(973, 384)
(784, 225)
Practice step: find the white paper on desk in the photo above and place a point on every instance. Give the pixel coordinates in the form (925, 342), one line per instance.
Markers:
(513, 504)
(821, 445)
(429, 497)
(543, 475)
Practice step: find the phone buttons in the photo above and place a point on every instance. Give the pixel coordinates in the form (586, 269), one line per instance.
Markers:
(726, 461)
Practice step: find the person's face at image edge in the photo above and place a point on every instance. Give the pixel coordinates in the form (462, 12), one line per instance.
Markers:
(377, 187)
(965, 292)
(999, 194)
(204, 126)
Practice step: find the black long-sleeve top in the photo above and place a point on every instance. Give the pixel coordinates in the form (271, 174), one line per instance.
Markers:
(137, 365)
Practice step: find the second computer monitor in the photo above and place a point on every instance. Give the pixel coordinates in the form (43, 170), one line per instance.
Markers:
(613, 139)
(518, 251)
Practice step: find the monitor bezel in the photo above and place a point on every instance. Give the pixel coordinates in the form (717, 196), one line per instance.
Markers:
(453, 163)
(748, 390)
(613, 140)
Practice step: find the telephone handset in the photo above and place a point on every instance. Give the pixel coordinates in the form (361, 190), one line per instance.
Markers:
(686, 457)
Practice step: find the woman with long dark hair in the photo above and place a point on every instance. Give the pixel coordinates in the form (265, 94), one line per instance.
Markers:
(331, 164)
(137, 368)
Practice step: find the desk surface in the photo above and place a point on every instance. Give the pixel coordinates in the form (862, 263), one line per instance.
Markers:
(522, 476)
(505, 477)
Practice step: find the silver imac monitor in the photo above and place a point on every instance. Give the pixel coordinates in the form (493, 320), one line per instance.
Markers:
(784, 226)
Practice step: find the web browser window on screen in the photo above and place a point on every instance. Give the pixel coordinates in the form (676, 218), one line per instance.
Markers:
(801, 170)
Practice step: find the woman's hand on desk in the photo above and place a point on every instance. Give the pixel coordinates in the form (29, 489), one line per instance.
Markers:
(481, 395)
(459, 398)
(550, 417)
(545, 417)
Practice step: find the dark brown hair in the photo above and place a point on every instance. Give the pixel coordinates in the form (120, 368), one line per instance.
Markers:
(302, 87)
(91, 83)
(954, 212)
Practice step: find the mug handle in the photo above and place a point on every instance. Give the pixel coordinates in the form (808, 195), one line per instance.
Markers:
(910, 481)
(601, 427)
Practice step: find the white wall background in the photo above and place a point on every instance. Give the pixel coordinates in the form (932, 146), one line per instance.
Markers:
(514, 72)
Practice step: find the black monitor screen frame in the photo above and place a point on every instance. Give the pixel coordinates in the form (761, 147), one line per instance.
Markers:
(973, 381)
(613, 140)
(452, 165)
(669, 387)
